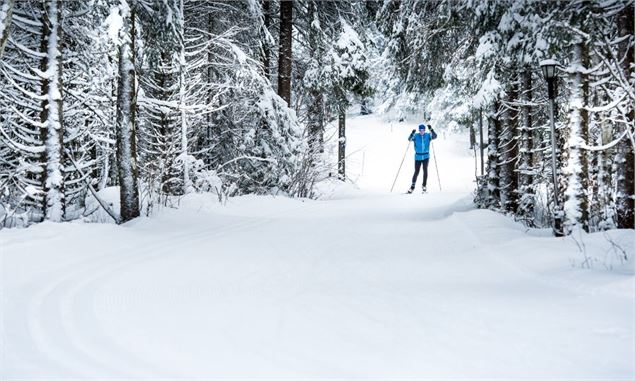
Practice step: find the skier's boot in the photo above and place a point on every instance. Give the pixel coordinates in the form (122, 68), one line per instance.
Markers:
(412, 188)
(423, 189)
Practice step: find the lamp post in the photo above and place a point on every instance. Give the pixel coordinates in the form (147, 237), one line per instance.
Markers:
(549, 72)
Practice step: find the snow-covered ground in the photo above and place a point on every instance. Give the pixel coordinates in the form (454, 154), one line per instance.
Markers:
(359, 284)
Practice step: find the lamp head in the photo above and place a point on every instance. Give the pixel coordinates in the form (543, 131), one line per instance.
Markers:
(549, 68)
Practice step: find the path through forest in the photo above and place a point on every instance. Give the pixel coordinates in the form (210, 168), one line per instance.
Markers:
(360, 283)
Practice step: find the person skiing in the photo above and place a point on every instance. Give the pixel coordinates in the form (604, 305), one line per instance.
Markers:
(422, 153)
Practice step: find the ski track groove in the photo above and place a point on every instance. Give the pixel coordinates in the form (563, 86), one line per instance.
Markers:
(51, 314)
(57, 315)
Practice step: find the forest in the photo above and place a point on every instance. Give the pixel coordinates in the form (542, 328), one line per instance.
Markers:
(162, 98)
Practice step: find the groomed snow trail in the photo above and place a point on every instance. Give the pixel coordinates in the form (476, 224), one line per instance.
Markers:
(361, 284)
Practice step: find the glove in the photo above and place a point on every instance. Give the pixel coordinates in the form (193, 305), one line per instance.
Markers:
(431, 129)
(413, 132)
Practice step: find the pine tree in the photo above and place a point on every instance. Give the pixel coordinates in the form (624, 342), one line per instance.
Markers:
(126, 116)
(314, 78)
(266, 39)
(6, 12)
(285, 54)
(33, 162)
(493, 165)
(526, 161)
(626, 182)
(51, 114)
(350, 70)
(576, 204)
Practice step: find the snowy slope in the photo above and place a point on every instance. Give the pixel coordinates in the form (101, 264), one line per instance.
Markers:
(359, 284)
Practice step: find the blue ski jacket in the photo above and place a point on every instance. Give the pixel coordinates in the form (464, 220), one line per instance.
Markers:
(422, 144)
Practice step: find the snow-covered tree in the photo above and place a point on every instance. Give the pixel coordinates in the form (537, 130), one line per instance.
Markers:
(6, 11)
(33, 127)
(349, 70)
(285, 51)
(126, 114)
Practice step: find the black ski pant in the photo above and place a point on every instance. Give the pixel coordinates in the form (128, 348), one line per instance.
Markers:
(418, 165)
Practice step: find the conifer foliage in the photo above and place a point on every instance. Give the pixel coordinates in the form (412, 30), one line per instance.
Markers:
(157, 98)
(161, 98)
(488, 65)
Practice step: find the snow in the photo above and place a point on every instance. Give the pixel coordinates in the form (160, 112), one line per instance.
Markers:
(348, 38)
(114, 24)
(360, 283)
(487, 47)
(541, 44)
(549, 62)
(488, 91)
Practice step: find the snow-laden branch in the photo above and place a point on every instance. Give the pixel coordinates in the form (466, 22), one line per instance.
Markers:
(606, 107)
(26, 92)
(18, 146)
(26, 49)
(246, 157)
(605, 146)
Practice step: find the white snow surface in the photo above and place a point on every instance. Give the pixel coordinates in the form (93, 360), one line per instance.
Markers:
(359, 284)
(114, 25)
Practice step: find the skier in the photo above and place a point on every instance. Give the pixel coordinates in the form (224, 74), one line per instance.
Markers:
(422, 153)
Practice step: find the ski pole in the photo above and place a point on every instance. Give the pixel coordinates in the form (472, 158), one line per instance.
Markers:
(399, 170)
(435, 164)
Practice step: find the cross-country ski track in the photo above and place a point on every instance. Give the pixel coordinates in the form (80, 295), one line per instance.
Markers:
(359, 284)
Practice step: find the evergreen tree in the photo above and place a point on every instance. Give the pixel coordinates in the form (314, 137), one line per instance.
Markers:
(126, 115)
(6, 11)
(285, 53)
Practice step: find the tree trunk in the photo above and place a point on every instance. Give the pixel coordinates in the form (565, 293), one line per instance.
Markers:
(472, 135)
(480, 137)
(285, 52)
(513, 154)
(209, 128)
(187, 182)
(266, 49)
(606, 202)
(508, 153)
(6, 11)
(626, 184)
(527, 198)
(126, 120)
(51, 114)
(315, 115)
(164, 154)
(111, 165)
(315, 108)
(341, 148)
(493, 196)
(576, 170)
